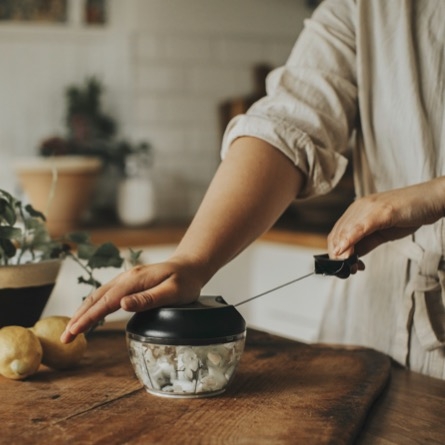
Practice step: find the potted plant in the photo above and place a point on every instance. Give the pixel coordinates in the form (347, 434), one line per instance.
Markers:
(93, 133)
(30, 260)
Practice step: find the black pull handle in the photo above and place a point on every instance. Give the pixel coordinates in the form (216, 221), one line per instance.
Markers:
(340, 268)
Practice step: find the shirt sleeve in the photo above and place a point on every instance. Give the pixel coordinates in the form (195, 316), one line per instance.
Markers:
(310, 108)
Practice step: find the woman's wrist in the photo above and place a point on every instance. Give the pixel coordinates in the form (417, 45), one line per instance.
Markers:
(440, 193)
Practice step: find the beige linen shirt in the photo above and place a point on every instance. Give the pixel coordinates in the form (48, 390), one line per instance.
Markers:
(376, 67)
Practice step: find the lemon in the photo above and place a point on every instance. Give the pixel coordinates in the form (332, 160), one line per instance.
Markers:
(20, 352)
(56, 354)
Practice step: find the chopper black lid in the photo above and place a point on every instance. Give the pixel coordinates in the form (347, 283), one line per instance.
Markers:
(208, 320)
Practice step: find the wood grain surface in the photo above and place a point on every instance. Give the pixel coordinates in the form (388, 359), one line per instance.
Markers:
(162, 235)
(284, 393)
(409, 412)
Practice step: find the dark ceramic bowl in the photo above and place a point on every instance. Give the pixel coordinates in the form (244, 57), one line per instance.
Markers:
(187, 351)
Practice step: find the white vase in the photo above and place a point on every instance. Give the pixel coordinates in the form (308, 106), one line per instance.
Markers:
(136, 201)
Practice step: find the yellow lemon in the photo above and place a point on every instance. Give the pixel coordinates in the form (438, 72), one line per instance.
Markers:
(56, 354)
(20, 352)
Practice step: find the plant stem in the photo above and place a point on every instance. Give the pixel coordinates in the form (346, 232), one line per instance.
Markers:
(85, 268)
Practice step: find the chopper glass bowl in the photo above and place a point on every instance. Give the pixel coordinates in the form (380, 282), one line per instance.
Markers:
(187, 351)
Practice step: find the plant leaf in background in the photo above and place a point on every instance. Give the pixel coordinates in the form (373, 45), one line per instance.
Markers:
(34, 213)
(7, 212)
(106, 255)
(10, 233)
(8, 197)
(85, 251)
(35, 238)
(7, 250)
(78, 237)
(53, 249)
(40, 235)
(135, 257)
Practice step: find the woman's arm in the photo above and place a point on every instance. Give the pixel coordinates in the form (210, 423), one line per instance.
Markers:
(252, 187)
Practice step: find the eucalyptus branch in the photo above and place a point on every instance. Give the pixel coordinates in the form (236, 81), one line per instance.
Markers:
(89, 271)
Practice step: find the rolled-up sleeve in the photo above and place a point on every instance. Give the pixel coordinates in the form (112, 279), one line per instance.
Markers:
(310, 108)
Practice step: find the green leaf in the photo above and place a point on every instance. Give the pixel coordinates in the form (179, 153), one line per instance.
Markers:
(37, 237)
(53, 249)
(7, 212)
(34, 213)
(8, 248)
(78, 237)
(85, 251)
(106, 255)
(36, 225)
(8, 197)
(135, 256)
(10, 233)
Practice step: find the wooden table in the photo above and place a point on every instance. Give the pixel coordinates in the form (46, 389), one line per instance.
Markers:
(408, 412)
(284, 392)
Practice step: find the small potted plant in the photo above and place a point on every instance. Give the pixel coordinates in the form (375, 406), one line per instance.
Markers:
(91, 135)
(30, 260)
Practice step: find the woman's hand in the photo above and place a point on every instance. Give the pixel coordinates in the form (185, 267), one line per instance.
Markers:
(381, 217)
(138, 289)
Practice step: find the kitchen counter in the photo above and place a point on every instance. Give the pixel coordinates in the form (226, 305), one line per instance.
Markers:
(410, 408)
(172, 234)
(284, 392)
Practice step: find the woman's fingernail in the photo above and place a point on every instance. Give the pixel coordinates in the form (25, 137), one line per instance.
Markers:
(65, 336)
(73, 328)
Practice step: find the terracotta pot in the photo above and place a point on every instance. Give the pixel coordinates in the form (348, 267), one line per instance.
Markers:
(60, 187)
(25, 290)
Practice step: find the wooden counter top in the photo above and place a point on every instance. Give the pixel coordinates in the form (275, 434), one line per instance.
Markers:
(284, 393)
(171, 234)
(136, 237)
(408, 411)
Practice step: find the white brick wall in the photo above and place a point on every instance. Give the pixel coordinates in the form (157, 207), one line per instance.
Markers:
(189, 57)
(167, 65)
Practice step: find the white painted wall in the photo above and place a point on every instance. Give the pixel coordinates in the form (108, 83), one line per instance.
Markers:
(167, 64)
